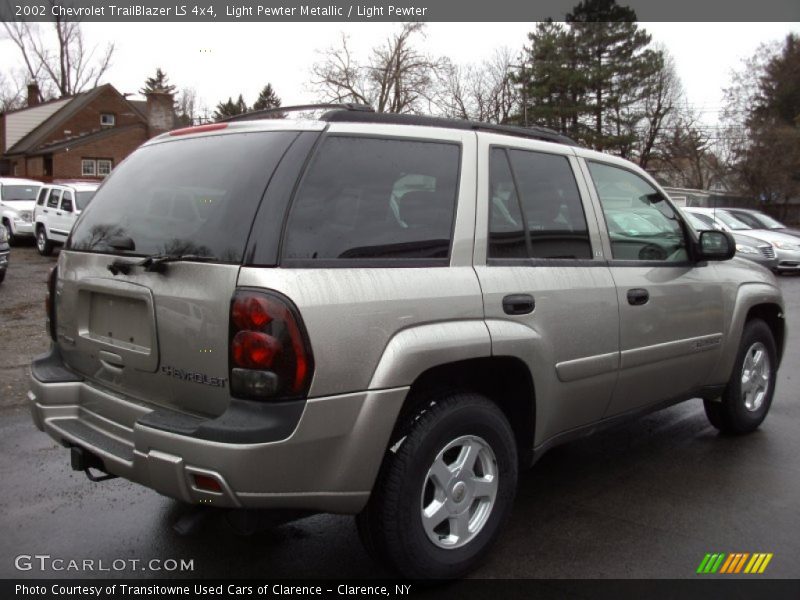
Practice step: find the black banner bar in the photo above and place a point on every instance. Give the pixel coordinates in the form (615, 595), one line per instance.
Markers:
(154, 11)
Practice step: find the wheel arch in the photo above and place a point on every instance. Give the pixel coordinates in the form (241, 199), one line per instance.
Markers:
(505, 380)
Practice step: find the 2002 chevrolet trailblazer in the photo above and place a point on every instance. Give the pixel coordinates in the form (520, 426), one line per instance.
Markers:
(386, 316)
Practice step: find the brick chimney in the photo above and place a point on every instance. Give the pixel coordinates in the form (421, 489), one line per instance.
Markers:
(160, 113)
(33, 94)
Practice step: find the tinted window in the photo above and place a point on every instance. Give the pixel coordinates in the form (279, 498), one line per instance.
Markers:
(52, 200)
(641, 224)
(366, 198)
(550, 202)
(66, 201)
(196, 195)
(506, 231)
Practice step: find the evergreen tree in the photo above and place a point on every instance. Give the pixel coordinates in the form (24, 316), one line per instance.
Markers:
(267, 99)
(159, 83)
(230, 108)
(616, 64)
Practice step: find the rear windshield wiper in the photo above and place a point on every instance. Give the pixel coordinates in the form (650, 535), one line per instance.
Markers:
(157, 263)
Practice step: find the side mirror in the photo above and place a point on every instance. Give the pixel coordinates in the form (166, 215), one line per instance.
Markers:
(716, 245)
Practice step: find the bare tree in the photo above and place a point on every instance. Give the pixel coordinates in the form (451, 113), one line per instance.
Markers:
(483, 92)
(186, 106)
(62, 63)
(12, 93)
(396, 77)
(659, 110)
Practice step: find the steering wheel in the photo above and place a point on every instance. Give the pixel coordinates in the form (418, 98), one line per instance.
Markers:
(652, 252)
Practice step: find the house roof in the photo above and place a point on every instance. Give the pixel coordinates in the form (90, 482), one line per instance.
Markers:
(85, 138)
(30, 143)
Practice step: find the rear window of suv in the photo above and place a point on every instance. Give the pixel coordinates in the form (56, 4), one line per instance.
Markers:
(376, 200)
(193, 196)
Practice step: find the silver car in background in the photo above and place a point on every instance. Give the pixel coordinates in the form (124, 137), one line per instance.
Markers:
(787, 247)
(747, 247)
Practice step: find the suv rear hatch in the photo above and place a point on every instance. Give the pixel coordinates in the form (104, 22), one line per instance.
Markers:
(146, 280)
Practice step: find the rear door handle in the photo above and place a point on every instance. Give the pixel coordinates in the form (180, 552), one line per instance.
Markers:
(638, 296)
(518, 304)
(44, 210)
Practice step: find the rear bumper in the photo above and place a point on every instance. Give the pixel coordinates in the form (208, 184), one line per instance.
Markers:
(327, 463)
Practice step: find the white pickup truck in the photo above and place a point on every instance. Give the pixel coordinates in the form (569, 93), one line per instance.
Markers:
(57, 209)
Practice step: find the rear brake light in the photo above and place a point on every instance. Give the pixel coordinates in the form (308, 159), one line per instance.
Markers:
(204, 482)
(50, 303)
(198, 129)
(270, 356)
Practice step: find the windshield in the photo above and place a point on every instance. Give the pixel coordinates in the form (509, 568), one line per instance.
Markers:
(731, 221)
(762, 221)
(700, 222)
(83, 199)
(196, 196)
(12, 193)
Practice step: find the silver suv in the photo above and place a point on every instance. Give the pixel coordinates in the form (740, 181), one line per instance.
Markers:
(387, 316)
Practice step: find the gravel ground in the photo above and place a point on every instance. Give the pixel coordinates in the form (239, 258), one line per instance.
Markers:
(22, 332)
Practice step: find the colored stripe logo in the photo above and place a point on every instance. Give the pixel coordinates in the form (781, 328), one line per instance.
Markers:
(737, 562)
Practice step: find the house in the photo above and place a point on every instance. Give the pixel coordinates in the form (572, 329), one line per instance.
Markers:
(79, 137)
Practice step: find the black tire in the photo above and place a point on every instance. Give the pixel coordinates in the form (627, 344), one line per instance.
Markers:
(391, 526)
(43, 245)
(13, 240)
(731, 414)
(2, 276)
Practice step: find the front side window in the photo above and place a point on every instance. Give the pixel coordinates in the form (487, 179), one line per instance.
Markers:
(55, 196)
(370, 198)
(535, 207)
(42, 195)
(641, 224)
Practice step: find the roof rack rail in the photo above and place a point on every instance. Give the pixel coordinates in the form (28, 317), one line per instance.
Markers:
(257, 114)
(532, 132)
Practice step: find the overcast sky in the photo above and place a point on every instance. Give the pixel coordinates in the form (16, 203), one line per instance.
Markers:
(225, 59)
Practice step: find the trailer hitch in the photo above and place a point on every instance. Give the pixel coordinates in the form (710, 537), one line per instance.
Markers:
(83, 460)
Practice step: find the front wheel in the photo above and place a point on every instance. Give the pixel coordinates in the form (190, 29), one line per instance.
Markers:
(43, 245)
(442, 497)
(748, 396)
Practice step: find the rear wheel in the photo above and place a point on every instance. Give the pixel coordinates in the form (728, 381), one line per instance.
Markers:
(43, 245)
(442, 497)
(748, 396)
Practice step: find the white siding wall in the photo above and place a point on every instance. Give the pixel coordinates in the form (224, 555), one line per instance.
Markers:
(21, 123)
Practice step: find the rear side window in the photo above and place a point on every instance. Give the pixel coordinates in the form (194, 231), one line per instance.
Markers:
(535, 193)
(368, 198)
(42, 195)
(196, 195)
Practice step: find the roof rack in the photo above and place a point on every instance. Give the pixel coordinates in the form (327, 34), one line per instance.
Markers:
(363, 113)
(533, 132)
(265, 113)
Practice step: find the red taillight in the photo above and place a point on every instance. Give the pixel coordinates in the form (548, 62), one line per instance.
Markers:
(254, 350)
(270, 356)
(198, 129)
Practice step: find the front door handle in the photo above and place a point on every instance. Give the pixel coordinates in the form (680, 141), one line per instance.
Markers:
(518, 304)
(638, 296)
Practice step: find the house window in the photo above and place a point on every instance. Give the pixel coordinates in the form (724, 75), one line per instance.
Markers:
(103, 167)
(88, 167)
(107, 120)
